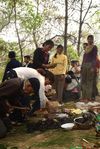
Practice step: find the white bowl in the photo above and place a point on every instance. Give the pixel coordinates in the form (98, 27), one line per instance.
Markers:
(68, 126)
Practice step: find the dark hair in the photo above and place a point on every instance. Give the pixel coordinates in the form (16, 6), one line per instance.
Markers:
(68, 80)
(48, 42)
(27, 56)
(35, 85)
(59, 46)
(71, 73)
(85, 43)
(49, 75)
(90, 36)
(12, 54)
(74, 61)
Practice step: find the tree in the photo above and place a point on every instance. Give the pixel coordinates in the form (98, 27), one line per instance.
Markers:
(66, 26)
(72, 54)
(6, 11)
(17, 31)
(81, 21)
(31, 21)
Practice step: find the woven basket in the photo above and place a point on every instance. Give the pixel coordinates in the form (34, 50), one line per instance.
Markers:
(82, 125)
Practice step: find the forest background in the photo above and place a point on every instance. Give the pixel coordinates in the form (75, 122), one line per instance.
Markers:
(26, 24)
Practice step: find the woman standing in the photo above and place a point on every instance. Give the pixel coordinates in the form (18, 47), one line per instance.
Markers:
(89, 70)
(59, 71)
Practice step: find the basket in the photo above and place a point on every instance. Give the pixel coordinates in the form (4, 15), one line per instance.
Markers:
(81, 124)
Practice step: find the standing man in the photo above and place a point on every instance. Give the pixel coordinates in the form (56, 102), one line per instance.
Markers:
(13, 63)
(27, 60)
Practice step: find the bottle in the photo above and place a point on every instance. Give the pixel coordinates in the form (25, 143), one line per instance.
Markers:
(97, 125)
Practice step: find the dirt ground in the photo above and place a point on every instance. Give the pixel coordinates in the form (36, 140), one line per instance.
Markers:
(50, 139)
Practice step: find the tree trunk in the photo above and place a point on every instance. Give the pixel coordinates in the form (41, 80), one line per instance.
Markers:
(35, 41)
(80, 28)
(66, 27)
(19, 41)
(81, 21)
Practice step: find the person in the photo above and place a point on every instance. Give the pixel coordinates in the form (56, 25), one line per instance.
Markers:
(88, 71)
(41, 55)
(59, 71)
(76, 68)
(27, 62)
(11, 91)
(26, 73)
(13, 63)
(71, 87)
(85, 44)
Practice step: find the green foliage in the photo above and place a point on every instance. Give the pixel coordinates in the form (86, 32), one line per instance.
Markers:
(72, 54)
(97, 18)
(5, 13)
(30, 20)
(3, 146)
(5, 47)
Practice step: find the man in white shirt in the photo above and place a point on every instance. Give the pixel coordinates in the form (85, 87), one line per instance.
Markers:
(27, 73)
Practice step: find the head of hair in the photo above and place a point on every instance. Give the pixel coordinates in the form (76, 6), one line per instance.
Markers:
(71, 74)
(12, 54)
(73, 61)
(90, 36)
(27, 56)
(48, 42)
(59, 46)
(49, 75)
(35, 85)
(68, 80)
(85, 43)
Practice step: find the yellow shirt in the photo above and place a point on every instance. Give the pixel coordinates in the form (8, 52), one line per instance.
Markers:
(61, 61)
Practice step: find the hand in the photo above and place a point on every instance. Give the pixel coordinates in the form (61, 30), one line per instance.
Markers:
(50, 65)
(50, 107)
(62, 77)
(53, 65)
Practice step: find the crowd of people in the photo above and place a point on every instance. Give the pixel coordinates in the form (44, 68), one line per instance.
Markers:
(23, 87)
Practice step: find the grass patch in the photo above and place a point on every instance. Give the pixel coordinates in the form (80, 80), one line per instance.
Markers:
(1, 73)
(62, 138)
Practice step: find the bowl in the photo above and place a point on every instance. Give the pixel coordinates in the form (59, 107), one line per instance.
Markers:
(67, 126)
(62, 115)
(82, 124)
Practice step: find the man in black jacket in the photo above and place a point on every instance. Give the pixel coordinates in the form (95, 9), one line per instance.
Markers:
(13, 63)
